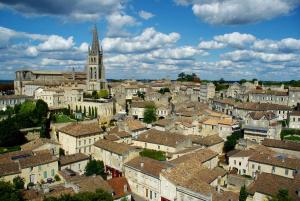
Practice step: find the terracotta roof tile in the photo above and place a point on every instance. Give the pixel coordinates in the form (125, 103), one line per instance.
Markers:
(81, 129)
(281, 144)
(68, 159)
(118, 148)
(120, 187)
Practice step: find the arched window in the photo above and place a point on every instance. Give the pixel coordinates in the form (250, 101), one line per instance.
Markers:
(95, 73)
(91, 73)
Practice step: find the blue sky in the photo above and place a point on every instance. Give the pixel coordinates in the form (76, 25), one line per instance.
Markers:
(154, 38)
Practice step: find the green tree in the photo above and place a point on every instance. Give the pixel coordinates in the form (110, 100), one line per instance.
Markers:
(41, 109)
(95, 94)
(157, 155)
(141, 95)
(94, 167)
(181, 76)
(282, 195)
(150, 114)
(27, 107)
(18, 182)
(243, 194)
(45, 129)
(8, 192)
(242, 81)
(232, 140)
(103, 93)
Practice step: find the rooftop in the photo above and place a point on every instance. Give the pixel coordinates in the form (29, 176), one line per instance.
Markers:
(201, 156)
(161, 137)
(282, 144)
(81, 129)
(114, 147)
(68, 159)
(147, 165)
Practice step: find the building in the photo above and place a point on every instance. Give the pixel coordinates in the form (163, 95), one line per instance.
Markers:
(95, 70)
(269, 96)
(207, 92)
(277, 164)
(79, 137)
(267, 185)
(114, 155)
(121, 188)
(143, 177)
(261, 125)
(137, 108)
(75, 162)
(12, 100)
(164, 124)
(34, 167)
(294, 96)
(294, 120)
(213, 142)
(289, 148)
(42, 144)
(162, 141)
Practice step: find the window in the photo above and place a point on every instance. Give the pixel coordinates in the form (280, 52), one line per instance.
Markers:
(273, 169)
(240, 163)
(235, 162)
(79, 143)
(79, 166)
(253, 166)
(258, 167)
(158, 147)
(45, 175)
(84, 141)
(244, 171)
(90, 141)
(52, 172)
(40, 167)
(286, 171)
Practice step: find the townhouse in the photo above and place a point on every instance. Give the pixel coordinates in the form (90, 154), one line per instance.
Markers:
(207, 92)
(294, 120)
(42, 144)
(269, 96)
(79, 137)
(213, 142)
(75, 162)
(114, 155)
(12, 100)
(162, 141)
(137, 108)
(260, 125)
(289, 148)
(34, 167)
(143, 177)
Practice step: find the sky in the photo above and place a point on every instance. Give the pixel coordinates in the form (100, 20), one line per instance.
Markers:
(154, 39)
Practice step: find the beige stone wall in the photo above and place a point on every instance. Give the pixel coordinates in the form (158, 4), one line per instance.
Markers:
(254, 167)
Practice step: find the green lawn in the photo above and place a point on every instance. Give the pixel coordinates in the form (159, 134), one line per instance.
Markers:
(293, 138)
(4, 150)
(61, 118)
(157, 155)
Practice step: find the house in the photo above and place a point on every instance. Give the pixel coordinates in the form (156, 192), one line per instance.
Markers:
(75, 162)
(277, 164)
(121, 188)
(260, 125)
(267, 185)
(12, 100)
(187, 126)
(162, 141)
(34, 167)
(223, 126)
(142, 175)
(269, 96)
(207, 92)
(138, 107)
(206, 157)
(294, 120)
(133, 127)
(79, 137)
(213, 142)
(163, 124)
(294, 96)
(42, 144)
(114, 155)
(117, 135)
(191, 181)
(289, 148)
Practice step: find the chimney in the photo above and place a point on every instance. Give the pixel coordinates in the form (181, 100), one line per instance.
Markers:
(125, 188)
(142, 164)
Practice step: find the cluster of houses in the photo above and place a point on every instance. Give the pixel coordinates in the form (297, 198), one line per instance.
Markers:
(193, 124)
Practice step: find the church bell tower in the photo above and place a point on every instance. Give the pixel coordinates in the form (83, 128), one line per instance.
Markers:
(94, 68)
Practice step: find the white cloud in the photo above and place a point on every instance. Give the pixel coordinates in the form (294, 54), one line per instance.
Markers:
(148, 40)
(145, 15)
(184, 52)
(55, 42)
(207, 45)
(117, 22)
(248, 55)
(232, 12)
(31, 51)
(236, 39)
(284, 45)
(84, 47)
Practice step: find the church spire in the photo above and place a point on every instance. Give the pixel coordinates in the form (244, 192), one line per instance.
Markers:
(95, 44)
